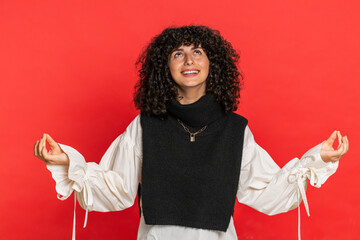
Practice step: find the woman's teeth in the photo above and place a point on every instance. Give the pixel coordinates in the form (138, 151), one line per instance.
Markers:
(189, 72)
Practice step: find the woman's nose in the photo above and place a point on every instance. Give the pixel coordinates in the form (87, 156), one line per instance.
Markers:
(188, 60)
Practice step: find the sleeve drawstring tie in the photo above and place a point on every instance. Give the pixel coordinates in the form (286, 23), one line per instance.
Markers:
(299, 176)
(88, 200)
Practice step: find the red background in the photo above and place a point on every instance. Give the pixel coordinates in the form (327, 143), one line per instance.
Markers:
(67, 69)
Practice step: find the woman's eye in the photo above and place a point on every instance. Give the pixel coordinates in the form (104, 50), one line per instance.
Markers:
(178, 54)
(197, 52)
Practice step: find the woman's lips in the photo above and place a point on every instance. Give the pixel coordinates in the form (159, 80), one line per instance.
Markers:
(190, 73)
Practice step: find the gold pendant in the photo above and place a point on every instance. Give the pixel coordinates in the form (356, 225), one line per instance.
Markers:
(192, 138)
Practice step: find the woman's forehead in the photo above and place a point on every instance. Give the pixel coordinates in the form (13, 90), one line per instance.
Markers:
(191, 45)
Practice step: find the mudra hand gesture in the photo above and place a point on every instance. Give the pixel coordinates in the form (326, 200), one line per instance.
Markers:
(327, 152)
(55, 156)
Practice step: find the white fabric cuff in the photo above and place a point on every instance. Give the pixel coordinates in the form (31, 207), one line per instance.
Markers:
(320, 171)
(69, 178)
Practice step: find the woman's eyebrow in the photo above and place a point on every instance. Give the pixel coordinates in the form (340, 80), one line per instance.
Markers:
(180, 49)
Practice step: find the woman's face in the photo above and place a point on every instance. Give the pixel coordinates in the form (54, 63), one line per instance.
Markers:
(189, 67)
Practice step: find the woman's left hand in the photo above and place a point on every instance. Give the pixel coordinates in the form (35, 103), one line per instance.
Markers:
(327, 152)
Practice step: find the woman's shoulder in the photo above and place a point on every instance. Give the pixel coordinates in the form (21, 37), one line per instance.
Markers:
(239, 118)
(134, 123)
(133, 130)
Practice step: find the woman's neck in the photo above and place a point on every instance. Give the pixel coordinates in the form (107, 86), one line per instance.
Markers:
(190, 96)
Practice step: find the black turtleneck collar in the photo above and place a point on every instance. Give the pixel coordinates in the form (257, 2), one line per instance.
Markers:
(197, 114)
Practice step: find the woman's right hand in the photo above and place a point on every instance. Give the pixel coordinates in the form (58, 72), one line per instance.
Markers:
(55, 156)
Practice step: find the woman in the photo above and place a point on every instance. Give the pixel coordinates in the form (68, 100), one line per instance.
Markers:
(189, 155)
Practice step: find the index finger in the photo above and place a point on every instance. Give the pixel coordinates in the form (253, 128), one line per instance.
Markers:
(339, 137)
(50, 140)
(332, 138)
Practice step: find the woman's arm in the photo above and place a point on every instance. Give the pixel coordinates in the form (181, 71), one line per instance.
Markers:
(270, 189)
(110, 185)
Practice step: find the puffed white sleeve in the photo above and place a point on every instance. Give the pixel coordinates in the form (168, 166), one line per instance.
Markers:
(266, 187)
(110, 185)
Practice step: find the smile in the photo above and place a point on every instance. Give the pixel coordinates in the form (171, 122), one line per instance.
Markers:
(190, 72)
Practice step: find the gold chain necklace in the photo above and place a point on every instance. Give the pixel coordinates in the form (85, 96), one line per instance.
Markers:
(192, 135)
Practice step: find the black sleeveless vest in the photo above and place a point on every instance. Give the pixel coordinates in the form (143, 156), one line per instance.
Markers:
(192, 184)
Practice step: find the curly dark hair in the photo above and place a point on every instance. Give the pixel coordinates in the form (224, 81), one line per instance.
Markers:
(155, 85)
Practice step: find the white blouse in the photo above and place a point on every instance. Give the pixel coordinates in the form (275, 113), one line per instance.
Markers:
(112, 184)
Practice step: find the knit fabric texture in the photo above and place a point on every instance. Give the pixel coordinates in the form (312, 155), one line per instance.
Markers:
(191, 184)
